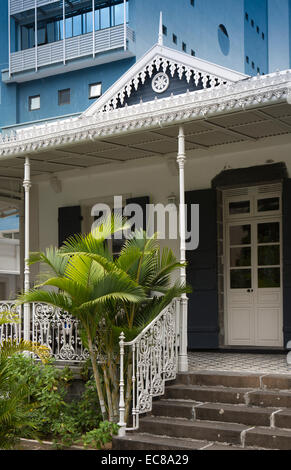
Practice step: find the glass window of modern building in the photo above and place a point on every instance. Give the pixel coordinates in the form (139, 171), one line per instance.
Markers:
(95, 90)
(34, 102)
(64, 96)
(78, 21)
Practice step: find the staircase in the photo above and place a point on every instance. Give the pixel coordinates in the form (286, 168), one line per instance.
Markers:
(217, 411)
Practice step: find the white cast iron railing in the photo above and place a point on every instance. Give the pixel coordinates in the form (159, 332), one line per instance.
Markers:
(154, 354)
(58, 331)
(51, 327)
(10, 330)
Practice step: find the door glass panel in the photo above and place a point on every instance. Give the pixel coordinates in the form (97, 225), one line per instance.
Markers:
(240, 279)
(268, 278)
(269, 255)
(269, 204)
(269, 233)
(241, 207)
(240, 257)
(240, 235)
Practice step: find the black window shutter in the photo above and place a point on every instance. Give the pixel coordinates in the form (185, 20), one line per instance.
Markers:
(142, 202)
(287, 260)
(70, 222)
(202, 274)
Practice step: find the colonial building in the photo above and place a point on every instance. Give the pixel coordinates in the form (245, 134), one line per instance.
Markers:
(235, 130)
(155, 124)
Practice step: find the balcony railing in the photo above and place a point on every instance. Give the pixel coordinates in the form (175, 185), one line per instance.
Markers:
(49, 326)
(17, 6)
(89, 44)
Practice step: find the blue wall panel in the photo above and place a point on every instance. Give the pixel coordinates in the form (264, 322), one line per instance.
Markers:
(256, 36)
(217, 31)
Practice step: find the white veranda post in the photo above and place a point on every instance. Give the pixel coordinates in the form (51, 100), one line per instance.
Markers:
(27, 186)
(181, 159)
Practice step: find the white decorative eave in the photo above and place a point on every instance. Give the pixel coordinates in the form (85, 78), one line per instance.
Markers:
(254, 92)
(165, 59)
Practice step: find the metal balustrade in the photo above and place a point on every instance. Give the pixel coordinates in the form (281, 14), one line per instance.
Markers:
(152, 356)
(51, 327)
(153, 359)
(71, 48)
(10, 331)
(17, 6)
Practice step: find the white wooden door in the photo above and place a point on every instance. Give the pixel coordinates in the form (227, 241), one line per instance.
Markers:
(253, 249)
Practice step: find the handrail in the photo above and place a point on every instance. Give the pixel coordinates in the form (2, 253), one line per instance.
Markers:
(154, 362)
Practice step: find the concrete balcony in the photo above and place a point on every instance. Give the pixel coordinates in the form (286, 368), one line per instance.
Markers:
(18, 6)
(106, 45)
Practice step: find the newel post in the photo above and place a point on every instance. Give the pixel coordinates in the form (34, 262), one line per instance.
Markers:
(27, 186)
(181, 159)
(121, 424)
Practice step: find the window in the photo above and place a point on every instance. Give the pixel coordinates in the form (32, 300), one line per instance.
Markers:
(252, 23)
(95, 90)
(165, 30)
(193, 53)
(258, 70)
(192, 2)
(34, 102)
(253, 65)
(258, 30)
(64, 96)
(247, 16)
(223, 39)
(78, 22)
(247, 59)
(263, 36)
(175, 39)
(184, 47)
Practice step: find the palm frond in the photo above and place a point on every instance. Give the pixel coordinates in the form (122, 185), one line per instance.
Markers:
(51, 258)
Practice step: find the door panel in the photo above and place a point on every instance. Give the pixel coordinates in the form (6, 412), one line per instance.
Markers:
(241, 327)
(254, 280)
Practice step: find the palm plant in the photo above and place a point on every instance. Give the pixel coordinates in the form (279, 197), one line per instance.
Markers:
(14, 408)
(108, 295)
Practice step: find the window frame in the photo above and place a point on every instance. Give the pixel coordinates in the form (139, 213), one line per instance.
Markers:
(60, 94)
(30, 100)
(95, 96)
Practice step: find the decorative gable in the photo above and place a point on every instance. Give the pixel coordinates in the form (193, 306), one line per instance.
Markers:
(157, 75)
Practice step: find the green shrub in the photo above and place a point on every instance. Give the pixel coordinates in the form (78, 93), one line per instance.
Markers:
(101, 436)
(53, 417)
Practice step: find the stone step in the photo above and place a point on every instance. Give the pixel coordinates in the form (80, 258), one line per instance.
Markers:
(276, 381)
(268, 438)
(270, 398)
(224, 379)
(207, 394)
(144, 441)
(242, 414)
(139, 441)
(223, 412)
(282, 419)
(199, 430)
(174, 408)
(235, 380)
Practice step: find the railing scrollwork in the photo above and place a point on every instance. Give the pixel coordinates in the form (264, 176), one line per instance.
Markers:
(154, 358)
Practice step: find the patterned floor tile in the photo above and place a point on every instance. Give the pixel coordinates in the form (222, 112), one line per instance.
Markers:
(239, 362)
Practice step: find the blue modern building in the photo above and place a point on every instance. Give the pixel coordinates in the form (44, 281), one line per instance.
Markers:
(59, 55)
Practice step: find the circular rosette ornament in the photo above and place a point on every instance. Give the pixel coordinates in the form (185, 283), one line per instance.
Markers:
(160, 82)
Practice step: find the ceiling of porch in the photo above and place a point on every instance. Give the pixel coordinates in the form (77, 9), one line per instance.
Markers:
(202, 134)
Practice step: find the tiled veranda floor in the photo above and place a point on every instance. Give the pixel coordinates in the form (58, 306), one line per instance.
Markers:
(239, 362)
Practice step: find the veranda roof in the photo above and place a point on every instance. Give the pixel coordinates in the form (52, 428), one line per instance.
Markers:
(233, 109)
